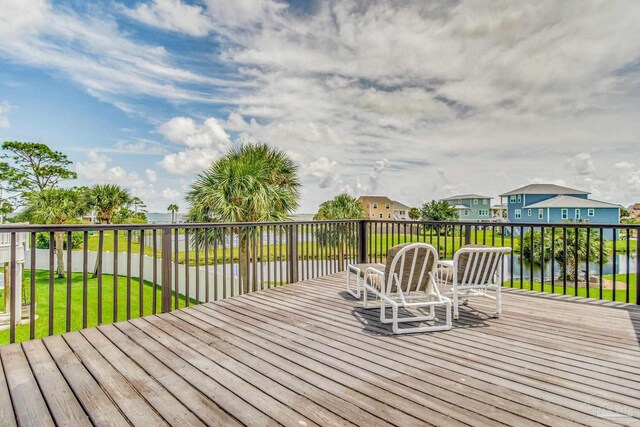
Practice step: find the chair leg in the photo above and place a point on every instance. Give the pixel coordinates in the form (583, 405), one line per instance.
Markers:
(455, 305)
(498, 303)
(355, 294)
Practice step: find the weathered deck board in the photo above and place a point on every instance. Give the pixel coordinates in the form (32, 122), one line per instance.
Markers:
(308, 354)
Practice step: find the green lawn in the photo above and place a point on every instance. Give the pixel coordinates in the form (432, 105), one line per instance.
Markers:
(607, 294)
(377, 246)
(60, 303)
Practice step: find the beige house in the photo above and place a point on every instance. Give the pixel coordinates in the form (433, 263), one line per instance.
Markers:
(382, 207)
(377, 207)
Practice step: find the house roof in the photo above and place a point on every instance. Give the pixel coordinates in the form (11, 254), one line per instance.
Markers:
(460, 207)
(543, 189)
(399, 206)
(467, 196)
(385, 198)
(570, 202)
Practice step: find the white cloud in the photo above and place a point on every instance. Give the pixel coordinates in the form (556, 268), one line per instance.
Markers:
(152, 176)
(324, 169)
(185, 131)
(172, 15)
(97, 170)
(170, 193)
(205, 143)
(5, 108)
(581, 164)
(189, 162)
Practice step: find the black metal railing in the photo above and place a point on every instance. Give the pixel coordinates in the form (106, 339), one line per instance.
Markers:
(108, 273)
(579, 259)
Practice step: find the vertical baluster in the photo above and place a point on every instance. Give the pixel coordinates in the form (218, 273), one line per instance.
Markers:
(521, 257)
(232, 257)
(206, 264)
(531, 260)
(224, 262)
(100, 250)
(269, 279)
(586, 262)
(564, 260)
(32, 284)
(216, 234)
(115, 276)
(85, 276)
(187, 269)
(512, 254)
(553, 260)
(601, 263)
(542, 255)
(615, 262)
(141, 275)
(51, 281)
(196, 244)
(13, 283)
(129, 243)
(176, 271)
(154, 304)
(69, 277)
(261, 231)
(628, 266)
(576, 255)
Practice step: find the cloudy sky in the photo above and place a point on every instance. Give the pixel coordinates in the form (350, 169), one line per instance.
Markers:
(417, 100)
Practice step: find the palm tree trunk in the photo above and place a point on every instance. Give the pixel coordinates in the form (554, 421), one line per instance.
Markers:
(59, 240)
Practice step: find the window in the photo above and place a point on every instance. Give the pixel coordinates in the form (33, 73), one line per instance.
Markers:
(528, 212)
(518, 214)
(389, 216)
(565, 213)
(466, 212)
(380, 216)
(519, 198)
(484, 201)
(512, 199)
(386, 206)
(540, 213)
(375, 206)
(459, 201)
(577, 214)
(591, 212)
(475, 201)
(367, 205)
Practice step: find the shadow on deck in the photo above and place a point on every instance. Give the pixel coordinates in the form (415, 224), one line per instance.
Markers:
(306, 354)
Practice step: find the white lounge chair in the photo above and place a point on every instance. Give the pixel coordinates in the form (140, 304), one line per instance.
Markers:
(476, 270)
(407, 282)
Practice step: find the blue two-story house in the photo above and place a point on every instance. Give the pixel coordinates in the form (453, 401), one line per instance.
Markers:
(550, 203)
(471, 207)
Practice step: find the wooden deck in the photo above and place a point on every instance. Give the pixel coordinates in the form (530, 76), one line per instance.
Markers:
(305, 354)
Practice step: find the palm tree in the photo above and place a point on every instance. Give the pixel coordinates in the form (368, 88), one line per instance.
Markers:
(342, 206)
(173, 208)
(55, 206)
(107, 199)
(254, 182)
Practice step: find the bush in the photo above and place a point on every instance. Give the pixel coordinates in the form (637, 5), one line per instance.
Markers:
(42, 240)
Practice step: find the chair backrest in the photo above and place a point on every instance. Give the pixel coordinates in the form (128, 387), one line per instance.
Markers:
(408, 266)
(477, 264)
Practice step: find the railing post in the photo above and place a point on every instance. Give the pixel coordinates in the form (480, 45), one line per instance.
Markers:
(292, 252)
(362, 241)
(166, 270)
(467, 234)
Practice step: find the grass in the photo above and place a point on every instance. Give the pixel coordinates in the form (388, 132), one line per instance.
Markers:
(607, 294)
(60, 303)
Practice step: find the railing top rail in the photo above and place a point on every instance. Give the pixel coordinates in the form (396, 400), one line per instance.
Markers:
(508, 224)
(11, 228)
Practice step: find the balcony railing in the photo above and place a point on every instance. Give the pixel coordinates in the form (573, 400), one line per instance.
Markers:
(117, 272)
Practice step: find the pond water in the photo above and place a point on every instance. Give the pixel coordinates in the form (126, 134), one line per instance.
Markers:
(594, 268)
